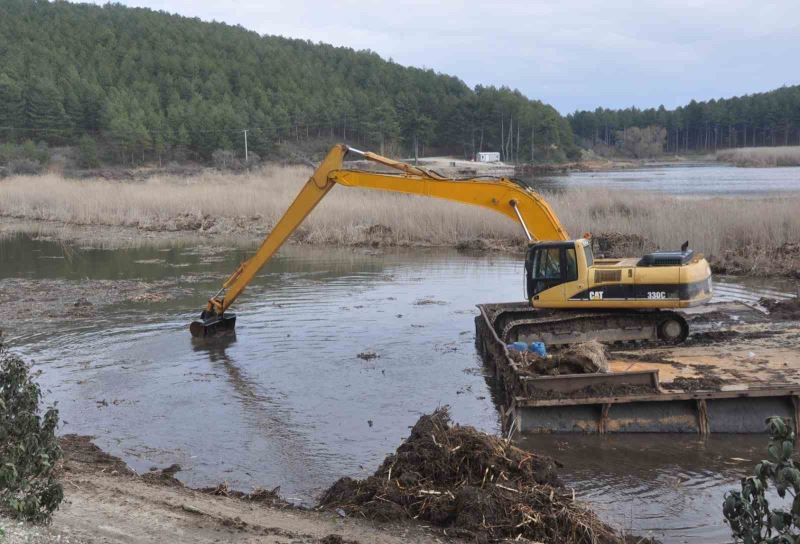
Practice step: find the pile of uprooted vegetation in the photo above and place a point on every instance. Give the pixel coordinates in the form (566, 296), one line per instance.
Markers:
(472, 485)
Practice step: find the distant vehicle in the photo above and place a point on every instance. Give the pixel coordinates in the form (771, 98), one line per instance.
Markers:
(488, 156)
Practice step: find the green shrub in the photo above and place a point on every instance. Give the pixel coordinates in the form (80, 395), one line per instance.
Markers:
(87, 152)
(29, 448)
(27, 158)
(8, 152)
(24, 167)
(748, 511)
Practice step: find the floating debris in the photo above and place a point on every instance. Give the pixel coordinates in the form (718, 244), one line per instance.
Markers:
(367, 355)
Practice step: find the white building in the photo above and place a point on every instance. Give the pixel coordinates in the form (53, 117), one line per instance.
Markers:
(488, 156)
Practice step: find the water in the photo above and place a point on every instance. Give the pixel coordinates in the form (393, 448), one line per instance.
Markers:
(701, 179)
(667, 487)
(289, 403)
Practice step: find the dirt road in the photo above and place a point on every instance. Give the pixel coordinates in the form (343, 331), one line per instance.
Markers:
(105, 502)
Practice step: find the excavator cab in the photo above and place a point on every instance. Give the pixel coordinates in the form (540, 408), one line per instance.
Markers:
(549, 264)
(566, 275)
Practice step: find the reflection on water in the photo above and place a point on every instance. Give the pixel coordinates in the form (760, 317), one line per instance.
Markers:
(701, 179)
(266, 416)
(287, 402)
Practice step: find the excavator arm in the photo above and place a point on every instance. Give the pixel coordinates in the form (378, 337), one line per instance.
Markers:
(501, 195)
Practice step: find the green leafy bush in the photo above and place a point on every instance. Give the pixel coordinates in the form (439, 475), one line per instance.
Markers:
(748, 511)
(29, 448)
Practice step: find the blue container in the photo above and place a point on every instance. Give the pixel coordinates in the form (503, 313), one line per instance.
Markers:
(518, 346)
(538, 348)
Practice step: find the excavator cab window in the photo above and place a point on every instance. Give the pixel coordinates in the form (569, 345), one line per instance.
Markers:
(587, 249)
(549, 265)
(572, 264)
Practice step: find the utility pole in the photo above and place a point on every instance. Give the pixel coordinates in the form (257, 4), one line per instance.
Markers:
(245, 145)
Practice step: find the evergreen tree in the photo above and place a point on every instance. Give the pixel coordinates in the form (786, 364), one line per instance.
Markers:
(149, 84)
(11, 107)
(87, 152)
(753, 120)
(44, 109)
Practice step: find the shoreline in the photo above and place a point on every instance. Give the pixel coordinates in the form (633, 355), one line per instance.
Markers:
(106, 501)
(780, 262)
(114, 237)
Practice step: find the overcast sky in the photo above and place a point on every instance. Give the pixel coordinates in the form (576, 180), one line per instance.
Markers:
(571, 54)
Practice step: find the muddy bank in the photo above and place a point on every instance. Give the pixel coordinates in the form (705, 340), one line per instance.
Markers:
(37, 302)
(108, 502)
(525, 171)
(781, 261)
(229, 232)
(594, 163)
(468, 484)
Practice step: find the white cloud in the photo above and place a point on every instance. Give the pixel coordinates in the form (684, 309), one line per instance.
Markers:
(572, 54)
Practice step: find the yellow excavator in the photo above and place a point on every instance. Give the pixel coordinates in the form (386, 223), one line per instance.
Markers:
(573, 296)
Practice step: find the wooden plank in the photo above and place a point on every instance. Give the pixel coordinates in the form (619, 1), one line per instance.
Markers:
(702, 417)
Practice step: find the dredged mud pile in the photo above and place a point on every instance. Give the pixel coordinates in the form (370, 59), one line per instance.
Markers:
(788, 309)
(471, 484)
(584, 358)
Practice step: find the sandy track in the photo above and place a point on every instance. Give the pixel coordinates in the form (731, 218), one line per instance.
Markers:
(106, 503)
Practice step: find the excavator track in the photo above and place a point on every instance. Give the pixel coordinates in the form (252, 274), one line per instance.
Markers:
(517, 322)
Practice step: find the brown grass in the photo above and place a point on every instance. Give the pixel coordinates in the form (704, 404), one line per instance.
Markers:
(761, 157)
(713, 225)
(218, 203)
(222, 203)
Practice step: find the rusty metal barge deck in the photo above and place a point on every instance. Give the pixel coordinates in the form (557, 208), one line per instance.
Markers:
(738, 367)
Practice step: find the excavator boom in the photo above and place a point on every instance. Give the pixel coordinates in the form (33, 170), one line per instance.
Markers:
(501, 195)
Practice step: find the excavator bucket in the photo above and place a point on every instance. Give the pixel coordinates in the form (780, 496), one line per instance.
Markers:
(212, 325)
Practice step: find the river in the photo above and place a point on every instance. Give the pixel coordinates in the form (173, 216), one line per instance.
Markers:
(288, 402)
(685, 179)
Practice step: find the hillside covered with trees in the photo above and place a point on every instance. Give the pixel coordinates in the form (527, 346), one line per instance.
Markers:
(763, 119)
(145, 85)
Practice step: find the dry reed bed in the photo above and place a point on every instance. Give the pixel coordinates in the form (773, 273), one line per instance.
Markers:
(749, 231)
(761, 157)
(241, 202)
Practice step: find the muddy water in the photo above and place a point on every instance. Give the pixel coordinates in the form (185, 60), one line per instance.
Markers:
(667, 487)
(288, 402)
(700, 179)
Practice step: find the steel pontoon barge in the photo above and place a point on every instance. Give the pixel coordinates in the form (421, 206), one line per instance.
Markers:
(754, 360)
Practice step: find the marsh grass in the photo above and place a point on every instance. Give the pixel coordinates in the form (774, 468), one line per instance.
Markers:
(221, 203)
(224, 204)
(761, 157)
